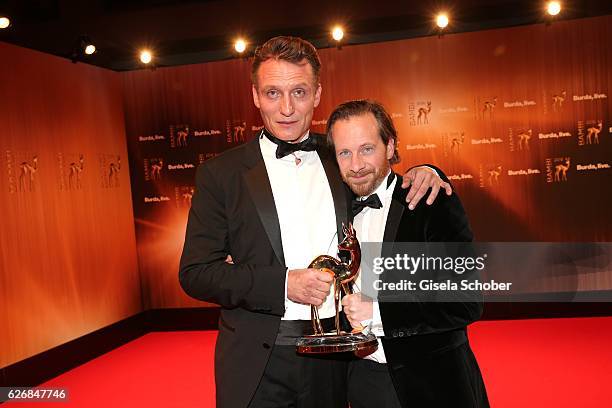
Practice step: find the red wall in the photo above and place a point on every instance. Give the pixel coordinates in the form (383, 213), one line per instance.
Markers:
(67, 245)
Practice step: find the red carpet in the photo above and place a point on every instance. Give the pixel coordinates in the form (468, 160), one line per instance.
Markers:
(526, 363)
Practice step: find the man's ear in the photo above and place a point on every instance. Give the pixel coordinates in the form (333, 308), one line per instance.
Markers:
(390, 149)
(255, 96)
(317, 96)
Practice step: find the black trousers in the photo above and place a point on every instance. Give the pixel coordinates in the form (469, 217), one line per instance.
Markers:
(449, 379)
(370, 385)
(298, 381)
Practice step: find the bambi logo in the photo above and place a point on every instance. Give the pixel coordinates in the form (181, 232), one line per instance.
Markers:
(156, 167)
(558, 101)
(523, 139)
(239, 132)
(561, 168)
(423, 115)
(594, 132)
(74, 173)
(187, 196)
(494, 174)
(183, 196)
(181, 135)
(27, 174)
(488, 107)
(113, 172)
(456, 142)
(235, 131)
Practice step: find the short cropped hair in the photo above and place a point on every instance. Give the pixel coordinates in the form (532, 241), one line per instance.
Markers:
(290, 49)
(386, 129)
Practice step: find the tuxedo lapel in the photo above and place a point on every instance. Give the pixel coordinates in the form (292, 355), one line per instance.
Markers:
(337, 187)
(396, 211)
(258, 184)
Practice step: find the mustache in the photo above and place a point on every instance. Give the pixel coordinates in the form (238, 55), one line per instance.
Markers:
(360, 173)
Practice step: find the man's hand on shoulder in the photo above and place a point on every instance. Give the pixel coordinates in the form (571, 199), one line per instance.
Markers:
(420, 179)
(308, 286)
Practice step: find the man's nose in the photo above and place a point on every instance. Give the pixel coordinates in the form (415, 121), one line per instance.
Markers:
(287, 108)
(357, 163)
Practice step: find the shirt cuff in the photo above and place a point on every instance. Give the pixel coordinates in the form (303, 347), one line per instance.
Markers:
(432, 169)
(286, 280)
(375, 322)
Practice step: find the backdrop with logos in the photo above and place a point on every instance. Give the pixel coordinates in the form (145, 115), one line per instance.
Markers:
(67, 243)
(518, 118)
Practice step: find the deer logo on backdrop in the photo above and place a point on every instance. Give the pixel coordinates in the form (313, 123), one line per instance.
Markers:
(239, 132)
(181, 135)
(558, 101)
(27, 174)
(488, 108)
(74, 173)
(562, 165)
(456, 142)
(234, 130)
(523, 139)
(494, 173)
(156, 167)
(418, 113)
(110, 170)
(423, 114)
(592, 136)
(183, 196)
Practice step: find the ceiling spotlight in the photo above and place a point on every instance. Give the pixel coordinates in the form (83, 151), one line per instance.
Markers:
(82, 49)
(145, 56)
(337, 33)
(442, 20)
(90, 49)
(553, 8)
(240, 45)
(4, 22)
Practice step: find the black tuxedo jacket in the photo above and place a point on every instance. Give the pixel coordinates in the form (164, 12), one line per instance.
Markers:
(233, 212)
(425, 344)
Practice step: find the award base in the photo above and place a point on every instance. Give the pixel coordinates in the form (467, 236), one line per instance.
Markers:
(336, 343)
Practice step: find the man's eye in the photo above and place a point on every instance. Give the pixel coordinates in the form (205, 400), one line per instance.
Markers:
(344, 153)
(299, 93)
(272, 93)
(367, 149)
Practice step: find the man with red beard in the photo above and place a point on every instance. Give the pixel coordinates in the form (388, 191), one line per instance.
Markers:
(424, 358)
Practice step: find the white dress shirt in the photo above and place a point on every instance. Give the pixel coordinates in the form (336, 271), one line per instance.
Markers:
(369, 225)
(306, 215)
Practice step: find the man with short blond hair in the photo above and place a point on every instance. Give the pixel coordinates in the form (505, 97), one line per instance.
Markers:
(273, 204)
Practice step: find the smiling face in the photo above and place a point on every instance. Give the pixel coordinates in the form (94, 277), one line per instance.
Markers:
(286, 95)
(361, 153)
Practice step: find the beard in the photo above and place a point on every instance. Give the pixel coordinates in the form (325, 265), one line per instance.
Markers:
(367, 186)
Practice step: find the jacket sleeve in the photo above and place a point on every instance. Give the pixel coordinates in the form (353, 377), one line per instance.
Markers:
(446, 221)
(204, 273)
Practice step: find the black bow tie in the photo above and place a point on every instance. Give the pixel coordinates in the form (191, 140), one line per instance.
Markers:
(284, 148)
(372, 201)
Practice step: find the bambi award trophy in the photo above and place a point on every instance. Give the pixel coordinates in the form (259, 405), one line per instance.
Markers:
(337, 341)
